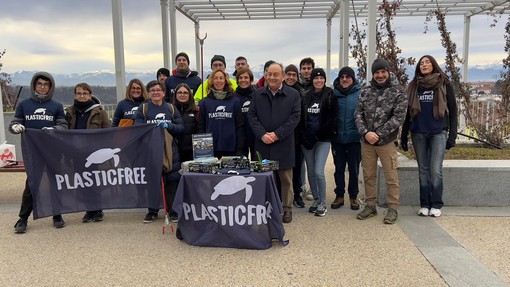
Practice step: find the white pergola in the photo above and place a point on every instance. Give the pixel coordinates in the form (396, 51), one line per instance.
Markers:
(225, 10)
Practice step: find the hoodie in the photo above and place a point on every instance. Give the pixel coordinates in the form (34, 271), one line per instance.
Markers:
(40, 111)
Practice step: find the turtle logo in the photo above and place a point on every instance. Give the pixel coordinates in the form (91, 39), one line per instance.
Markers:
(220, 108)
(160, 116)
(41, 111)
(103, 155)
(233, 185)
(133, 110)
(315, 106)
(246, 104)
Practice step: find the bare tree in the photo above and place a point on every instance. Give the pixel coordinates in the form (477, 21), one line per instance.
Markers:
(486, 132)
(386, 43)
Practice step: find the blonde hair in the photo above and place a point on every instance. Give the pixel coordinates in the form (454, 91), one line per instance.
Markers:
(128, 90)
(228, 84)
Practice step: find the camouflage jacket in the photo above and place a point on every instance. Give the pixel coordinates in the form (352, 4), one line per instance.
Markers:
(382, 111)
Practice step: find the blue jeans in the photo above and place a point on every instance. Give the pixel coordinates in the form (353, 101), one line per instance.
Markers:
(346, 154)
(430, 149)
(315, 163)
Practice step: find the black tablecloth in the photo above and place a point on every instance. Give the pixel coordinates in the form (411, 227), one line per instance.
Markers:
(229, 211)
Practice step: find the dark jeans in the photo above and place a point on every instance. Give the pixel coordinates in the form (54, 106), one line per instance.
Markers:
(346, 154)
(430, 150)
(297, 181)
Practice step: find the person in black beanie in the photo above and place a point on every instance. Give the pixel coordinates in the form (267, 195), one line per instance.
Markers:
(345, 145)
(380, 113)
(87, 113)
(181, 74)
(319, 112)
(162, 74)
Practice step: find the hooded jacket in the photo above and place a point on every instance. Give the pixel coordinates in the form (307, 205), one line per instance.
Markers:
(40, 111)
(97, 118)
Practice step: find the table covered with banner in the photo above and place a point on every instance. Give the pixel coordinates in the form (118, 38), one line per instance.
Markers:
(240, 211)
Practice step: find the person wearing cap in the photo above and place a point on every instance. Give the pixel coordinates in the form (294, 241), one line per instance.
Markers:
(318, 124)
(217, 63)
(432, 120)
(162, 74)
(345, 145)
(181, 74)
(290, 78)
(380, 113)
(273, 116)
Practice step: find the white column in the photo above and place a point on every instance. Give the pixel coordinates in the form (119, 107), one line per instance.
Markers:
(344, 35)
(173, 33)
(372, 10)
(118, 46)
(328, 53)
(197, 49)
(165, 28)
(465, 47)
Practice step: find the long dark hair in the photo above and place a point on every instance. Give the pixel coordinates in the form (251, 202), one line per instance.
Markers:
(413, 85)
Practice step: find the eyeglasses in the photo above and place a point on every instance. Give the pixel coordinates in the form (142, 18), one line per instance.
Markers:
(155, 91)
(82, 94)
(217, 65)
(345, 77)
(182, 93)
(43, 85)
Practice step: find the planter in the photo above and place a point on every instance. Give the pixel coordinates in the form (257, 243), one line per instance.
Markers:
(466, 182)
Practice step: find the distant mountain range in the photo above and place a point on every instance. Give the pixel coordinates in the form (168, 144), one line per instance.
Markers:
(476, 74)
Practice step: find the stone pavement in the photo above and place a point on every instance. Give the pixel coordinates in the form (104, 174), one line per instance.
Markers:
(467, 246)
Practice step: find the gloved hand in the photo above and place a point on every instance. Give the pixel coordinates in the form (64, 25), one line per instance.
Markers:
(403, 144)
(163, 124)
(47, 129)
(18, 128)
(450, 144)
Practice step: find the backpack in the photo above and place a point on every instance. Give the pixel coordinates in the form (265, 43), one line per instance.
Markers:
(168, 152)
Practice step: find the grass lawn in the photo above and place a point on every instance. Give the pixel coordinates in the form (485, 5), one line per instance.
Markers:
(471, 152)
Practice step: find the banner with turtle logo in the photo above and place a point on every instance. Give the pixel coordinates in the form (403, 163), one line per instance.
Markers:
(77, 170)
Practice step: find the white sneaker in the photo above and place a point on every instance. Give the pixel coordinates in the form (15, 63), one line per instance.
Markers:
(423, 211)
(434, 212)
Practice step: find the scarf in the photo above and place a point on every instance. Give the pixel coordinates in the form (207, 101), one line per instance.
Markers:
(182, 73)
(344, 91)
(378, 86)
(219, 95)
(433, 82)
(81, 107)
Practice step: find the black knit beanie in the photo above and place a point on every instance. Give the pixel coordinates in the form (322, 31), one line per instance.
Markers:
(347, 71)
(182, 54)
(380, 64)
(317, 72)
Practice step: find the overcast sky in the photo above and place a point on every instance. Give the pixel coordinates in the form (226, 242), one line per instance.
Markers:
(74, 36)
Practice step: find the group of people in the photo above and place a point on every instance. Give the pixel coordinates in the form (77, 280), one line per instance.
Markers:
(290, 115)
